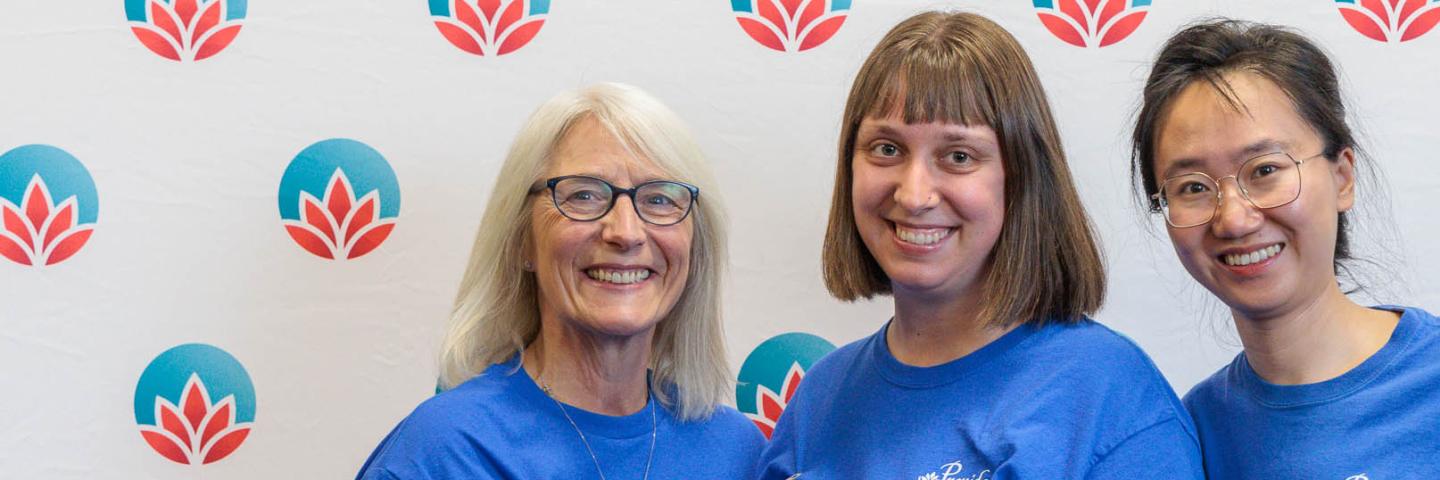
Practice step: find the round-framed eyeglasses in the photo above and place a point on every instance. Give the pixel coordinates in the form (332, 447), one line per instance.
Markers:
(586, 199)
(1266, 181)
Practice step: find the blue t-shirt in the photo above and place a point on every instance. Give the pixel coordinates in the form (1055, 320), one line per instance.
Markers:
(500, 425)
(1378, 421)
(1055, 402)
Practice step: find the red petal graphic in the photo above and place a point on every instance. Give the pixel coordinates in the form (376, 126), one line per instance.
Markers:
(812, 11)
(59, 223)
(770, 407)
(822, 32)
(208, 20)
(370, 240)
(309, 241)
(162, 19)
(761, 33)
(337, 200)
(1377, 8)
(520, 36)
(1363, 24)
(1421, 24)
(1093, 5)
(165, 447)
(194, 403)
(226, 444)
(466, 15)
(1407, 9)
(458, 37)
(185, 9)
(771, 13)
(14, 251)
(511, 15)
(791, 6)
(766, 430)
(792, 382)
(217, 42)
(489, 7)
(1071, 8)
(219, 421)
(171, 422)
(1062, 29)
(69, 245)
(156, 43)
(37, 207)
(15, 224)
(1112, 8)
(362, 216)
(1122, 28)
(316, 217)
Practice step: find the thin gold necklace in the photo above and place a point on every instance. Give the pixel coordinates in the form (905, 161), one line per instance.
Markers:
(654, 427)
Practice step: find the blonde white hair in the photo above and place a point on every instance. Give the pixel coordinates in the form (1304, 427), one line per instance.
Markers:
(496, 312)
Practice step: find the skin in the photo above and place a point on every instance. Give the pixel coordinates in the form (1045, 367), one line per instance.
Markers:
(594, 345)
(934, 179)
(1295, 323)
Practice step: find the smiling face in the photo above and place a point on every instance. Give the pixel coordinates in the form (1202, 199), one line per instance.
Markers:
(1260, 262)
(929, 202)
(617, 276)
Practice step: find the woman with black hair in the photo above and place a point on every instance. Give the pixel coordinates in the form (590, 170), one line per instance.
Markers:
(1242, 145)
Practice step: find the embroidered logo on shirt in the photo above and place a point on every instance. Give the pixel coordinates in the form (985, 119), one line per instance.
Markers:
(956, 471)
(1357, 477)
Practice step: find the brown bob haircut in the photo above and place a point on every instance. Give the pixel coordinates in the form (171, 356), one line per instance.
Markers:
(965, 69)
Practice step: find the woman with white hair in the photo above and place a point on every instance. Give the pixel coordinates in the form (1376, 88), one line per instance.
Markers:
(586, 338)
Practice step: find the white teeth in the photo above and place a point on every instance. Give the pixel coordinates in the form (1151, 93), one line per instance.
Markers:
(1240, 260)
(623, 277)
(920, 237)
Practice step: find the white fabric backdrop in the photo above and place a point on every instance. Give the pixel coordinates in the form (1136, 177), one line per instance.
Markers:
(187, 159)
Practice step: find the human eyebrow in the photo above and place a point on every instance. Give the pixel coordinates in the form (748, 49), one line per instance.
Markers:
(1185, 165)
(1261, 147)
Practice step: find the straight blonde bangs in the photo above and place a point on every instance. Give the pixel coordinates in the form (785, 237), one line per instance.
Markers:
(496, 310)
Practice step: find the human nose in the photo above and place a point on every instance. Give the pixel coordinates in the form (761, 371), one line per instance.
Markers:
(1235, 216)
(622, 227)
(916, 190)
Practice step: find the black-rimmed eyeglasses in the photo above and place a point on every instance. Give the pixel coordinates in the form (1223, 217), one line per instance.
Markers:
(586, 199)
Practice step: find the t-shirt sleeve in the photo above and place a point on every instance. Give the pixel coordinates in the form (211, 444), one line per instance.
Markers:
(1161, 451)
(377, 474)
(777, 461)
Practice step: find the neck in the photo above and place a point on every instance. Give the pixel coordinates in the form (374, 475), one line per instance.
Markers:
(1313, 343)
(931, 330)
(606, 375)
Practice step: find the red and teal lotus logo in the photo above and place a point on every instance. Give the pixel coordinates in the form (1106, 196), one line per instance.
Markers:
(489, 27)
(790, 25)
(194, 404)
(339, 199)
(1391, 20)
(48, 205)
(183, 30)
(771, 373)
(1092, 23)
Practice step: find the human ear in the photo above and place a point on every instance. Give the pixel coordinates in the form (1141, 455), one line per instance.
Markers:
(1343, 171)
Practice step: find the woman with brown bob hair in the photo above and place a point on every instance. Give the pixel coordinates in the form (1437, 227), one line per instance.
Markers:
(952, 195)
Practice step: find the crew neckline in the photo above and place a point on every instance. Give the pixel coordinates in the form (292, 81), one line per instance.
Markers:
(591, 423)
(910, 376)
(1295, 396)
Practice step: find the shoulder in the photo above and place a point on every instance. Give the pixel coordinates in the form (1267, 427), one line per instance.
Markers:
(1205, 394)
(834, 364)
(725, 428)
(1105, 371)
(466, 415)
(1089, 348)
